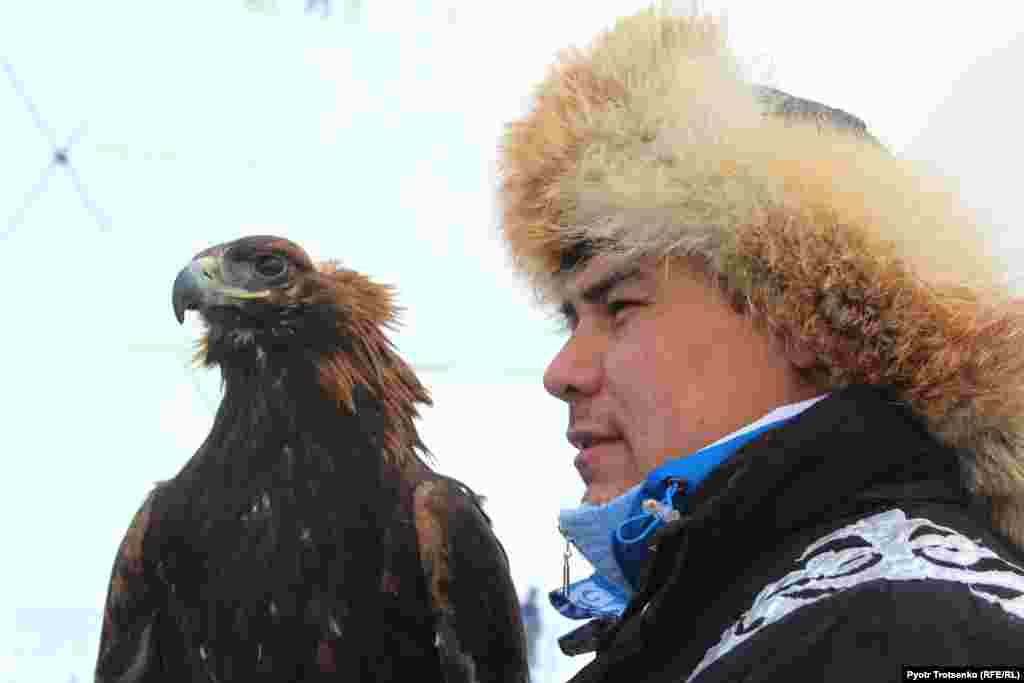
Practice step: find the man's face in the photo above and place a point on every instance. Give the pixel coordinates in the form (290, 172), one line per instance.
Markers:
(656, 367)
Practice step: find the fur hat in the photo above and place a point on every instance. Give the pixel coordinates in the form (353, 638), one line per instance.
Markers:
(651, 143)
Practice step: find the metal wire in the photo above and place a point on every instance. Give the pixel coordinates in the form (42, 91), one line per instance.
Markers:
(29, 104)
(442, 367)
(59, 157)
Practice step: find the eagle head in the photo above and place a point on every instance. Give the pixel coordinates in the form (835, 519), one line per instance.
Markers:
(264, 291)
(263, 300)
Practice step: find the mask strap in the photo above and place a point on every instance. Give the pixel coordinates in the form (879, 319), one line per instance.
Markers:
(653, 511)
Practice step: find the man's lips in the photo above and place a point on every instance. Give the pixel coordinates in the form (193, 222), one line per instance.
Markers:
(589, 458)
(582, 437)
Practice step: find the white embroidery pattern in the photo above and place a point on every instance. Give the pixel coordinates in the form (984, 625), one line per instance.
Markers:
(887, 546)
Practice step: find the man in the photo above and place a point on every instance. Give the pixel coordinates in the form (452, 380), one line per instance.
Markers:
(794, 373)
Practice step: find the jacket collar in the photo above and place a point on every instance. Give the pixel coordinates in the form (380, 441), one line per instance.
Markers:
(836, 452)
(858, 449)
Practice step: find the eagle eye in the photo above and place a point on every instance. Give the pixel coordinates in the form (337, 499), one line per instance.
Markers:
(270, 266)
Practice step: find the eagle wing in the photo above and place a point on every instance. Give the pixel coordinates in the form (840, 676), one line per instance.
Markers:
(134, 613)
(480, 635)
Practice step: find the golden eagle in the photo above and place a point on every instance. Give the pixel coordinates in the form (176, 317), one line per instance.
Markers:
(307, 539)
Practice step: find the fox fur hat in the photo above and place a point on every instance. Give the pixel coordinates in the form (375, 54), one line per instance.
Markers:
(651, 143)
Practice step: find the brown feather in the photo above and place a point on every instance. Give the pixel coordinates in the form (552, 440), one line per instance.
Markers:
(366, 310)
(431, 517)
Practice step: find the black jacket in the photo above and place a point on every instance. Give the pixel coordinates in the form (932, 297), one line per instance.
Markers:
(839, 546)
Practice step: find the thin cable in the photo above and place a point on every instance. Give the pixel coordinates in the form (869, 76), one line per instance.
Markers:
(89, 205)
(212, 409)
(33, 111)
(30, 198)
(60, 157)
(438, 367)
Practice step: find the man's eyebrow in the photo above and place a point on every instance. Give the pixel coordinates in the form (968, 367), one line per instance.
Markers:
(599, 290)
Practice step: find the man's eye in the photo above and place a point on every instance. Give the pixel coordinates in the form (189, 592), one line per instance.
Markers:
(616, 307)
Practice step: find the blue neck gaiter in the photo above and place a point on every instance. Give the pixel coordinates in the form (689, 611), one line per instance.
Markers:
(611, 535)
(662, 485)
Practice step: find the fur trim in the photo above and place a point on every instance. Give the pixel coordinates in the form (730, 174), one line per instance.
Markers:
(651, 143)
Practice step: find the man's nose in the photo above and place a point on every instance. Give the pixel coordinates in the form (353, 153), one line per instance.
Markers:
(575, 369)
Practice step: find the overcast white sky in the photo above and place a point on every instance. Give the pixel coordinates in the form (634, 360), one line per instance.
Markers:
(370, 140)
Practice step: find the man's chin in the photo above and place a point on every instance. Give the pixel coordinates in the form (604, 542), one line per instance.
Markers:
(599, 495)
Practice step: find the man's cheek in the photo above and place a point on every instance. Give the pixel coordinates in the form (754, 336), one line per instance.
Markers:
(626, 367)
(660, 423)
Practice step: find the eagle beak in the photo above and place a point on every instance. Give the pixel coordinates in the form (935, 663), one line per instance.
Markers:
(200, 284)
(194, 284)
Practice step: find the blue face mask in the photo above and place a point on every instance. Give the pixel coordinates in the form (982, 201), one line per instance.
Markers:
(610, 535)
(605, 593)
(588, 526)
